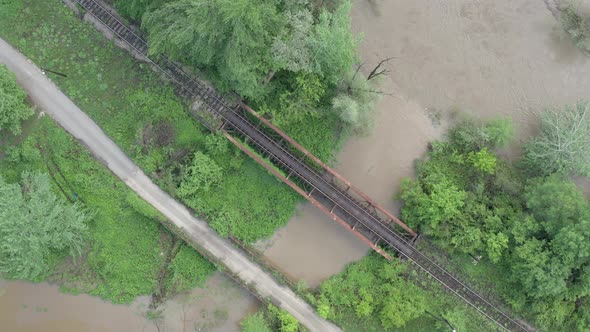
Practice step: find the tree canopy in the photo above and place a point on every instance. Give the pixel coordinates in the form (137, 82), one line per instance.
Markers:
(534, 229)
(287, 57)
(233, 37)
(372, 288)
(34, 225)
(13, 109)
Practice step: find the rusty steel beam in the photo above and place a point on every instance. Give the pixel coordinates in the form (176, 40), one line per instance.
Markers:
(306, 195)
(329, 169)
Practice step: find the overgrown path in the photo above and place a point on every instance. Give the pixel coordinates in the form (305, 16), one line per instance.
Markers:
(48, 97)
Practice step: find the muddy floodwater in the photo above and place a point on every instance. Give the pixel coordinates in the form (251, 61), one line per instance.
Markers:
(32, 307)
(485, 58)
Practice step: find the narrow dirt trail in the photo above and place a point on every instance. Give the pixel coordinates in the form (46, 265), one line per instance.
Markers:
(49, 98)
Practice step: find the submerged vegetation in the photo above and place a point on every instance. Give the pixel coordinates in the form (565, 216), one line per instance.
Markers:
(576, 25)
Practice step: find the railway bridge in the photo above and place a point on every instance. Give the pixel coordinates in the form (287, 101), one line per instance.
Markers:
(302, 171)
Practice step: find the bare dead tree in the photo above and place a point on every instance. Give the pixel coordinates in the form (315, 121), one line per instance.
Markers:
(379, 69)
(358, 68)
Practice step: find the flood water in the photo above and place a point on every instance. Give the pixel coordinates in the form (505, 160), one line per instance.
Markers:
(219, 306)
(484, 58)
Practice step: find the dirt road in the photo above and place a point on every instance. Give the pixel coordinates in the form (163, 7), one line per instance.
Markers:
(51, 100)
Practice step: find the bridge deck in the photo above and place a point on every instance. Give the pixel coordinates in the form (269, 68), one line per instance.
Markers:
(303, 172)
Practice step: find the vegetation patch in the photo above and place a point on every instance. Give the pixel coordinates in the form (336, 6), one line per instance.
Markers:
(375, 294)
(271, 318)
(523, 226)
(121, 257)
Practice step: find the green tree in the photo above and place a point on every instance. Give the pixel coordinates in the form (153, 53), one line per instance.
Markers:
(563, 144)
(471, 135)
(326, 47)
(34, 225)
(231, 37)
(555, 202)
(291, 50)
(550, 263)
(432, 201)
(201, 175)
(188, 269)
(333, 45)
(135, 9)
(13, 109)
(355, 102)
(300, 99)
(401, 305)
(483, 161)
(286, 322)
(372, 289)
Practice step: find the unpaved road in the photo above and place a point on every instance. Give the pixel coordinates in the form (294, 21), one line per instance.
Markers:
(49, 98)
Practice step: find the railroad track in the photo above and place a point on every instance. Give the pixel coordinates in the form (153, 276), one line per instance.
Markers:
(338, 200)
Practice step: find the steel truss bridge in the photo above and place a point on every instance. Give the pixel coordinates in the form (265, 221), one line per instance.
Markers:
(302, 171)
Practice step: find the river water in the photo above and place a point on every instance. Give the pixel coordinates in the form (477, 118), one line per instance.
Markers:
(28, 307)
(486, 58)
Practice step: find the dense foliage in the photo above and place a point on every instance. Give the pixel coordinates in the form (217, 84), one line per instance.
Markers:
(458, 187)
(293, 60)
(533, 231)
(13, 110)
(270, 318)
(34, 224)
(371, 289)
(374, 294)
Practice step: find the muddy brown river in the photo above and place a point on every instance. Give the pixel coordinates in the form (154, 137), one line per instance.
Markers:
(28, 307)
(486, 58)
